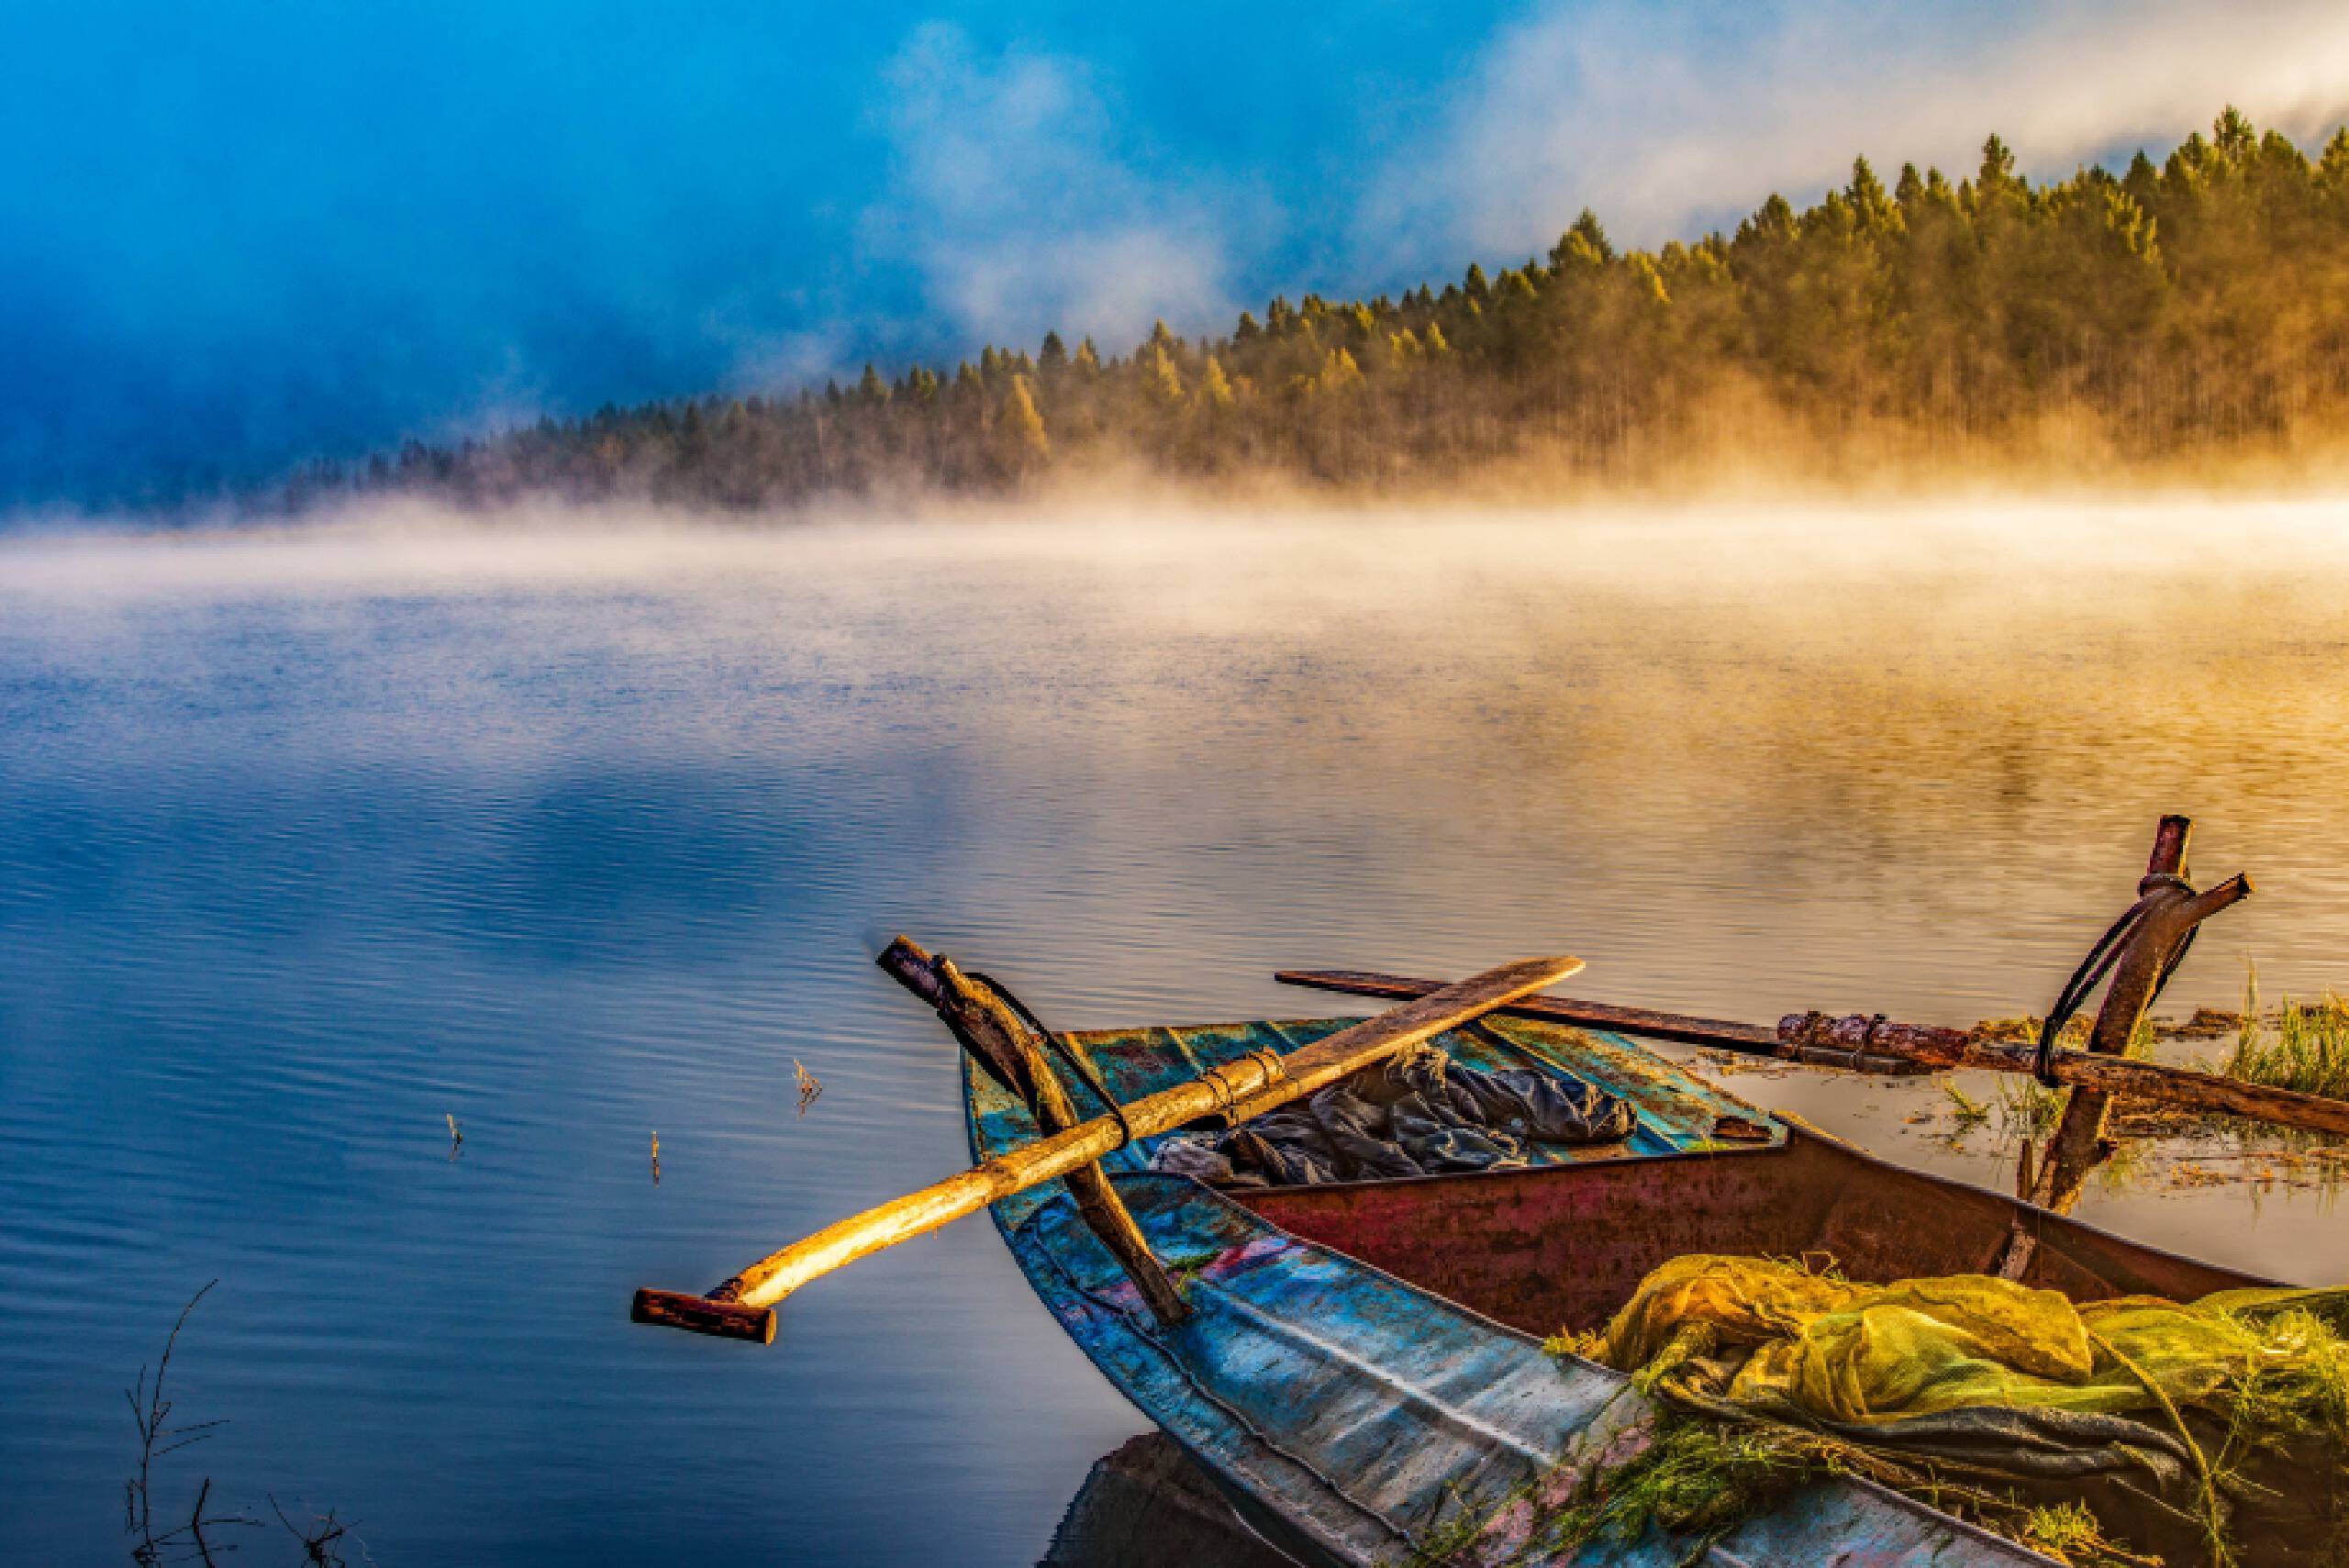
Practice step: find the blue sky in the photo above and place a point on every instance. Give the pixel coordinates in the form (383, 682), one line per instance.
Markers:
(235, 234)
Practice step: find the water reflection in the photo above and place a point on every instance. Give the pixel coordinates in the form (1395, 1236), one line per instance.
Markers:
(1145, 1505)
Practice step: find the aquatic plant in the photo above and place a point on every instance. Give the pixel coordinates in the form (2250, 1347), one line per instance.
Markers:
(2301, 1045)
(2026, 1108)
(2069, 1533)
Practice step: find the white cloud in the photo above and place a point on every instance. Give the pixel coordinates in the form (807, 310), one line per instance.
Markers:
(1013, 195)
(1661, 121)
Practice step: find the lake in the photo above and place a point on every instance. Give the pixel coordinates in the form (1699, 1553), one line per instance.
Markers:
(580, 830)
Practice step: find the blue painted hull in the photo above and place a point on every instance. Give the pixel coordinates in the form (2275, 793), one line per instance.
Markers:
(1351, 1416)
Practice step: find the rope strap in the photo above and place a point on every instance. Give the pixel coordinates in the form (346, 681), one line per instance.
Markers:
(2098, 963)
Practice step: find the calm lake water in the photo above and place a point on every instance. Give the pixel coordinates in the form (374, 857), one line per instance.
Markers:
(582, 831)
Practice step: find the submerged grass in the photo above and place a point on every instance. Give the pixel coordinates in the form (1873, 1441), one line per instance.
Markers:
(2020, 1108)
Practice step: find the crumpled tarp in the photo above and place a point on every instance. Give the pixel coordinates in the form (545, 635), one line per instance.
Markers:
(2110, 1401)
(1420, 1113)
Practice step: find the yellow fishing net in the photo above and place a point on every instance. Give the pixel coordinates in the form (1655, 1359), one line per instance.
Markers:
(2207, 1431)
(1844, 1351)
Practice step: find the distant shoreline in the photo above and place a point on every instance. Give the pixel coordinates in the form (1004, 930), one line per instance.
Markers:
(2185, 324)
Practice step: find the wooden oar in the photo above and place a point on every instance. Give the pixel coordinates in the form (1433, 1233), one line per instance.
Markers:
(1745, 1039)
(1924, 1044)
(743, 1307)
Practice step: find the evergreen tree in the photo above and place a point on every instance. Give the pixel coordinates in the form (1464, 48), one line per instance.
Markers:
(1167, 380)
(1214, 389)
(2231, 135)
(2332, 171)
(1997, 173)
(1019, 431)
(1871, 206)
(1587, 227)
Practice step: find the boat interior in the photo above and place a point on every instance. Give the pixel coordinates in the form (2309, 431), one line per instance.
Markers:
(1563, 1248)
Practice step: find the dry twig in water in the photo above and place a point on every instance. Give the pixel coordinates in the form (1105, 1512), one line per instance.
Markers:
(185, 1542)
(320, 1546)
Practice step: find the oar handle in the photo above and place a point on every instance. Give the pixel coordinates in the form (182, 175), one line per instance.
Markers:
(702, 1314)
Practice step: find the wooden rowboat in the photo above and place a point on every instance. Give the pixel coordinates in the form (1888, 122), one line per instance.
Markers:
(1361, 1367)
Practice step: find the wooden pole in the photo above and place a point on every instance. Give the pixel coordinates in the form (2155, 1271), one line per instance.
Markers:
(1934, 1048)
(2073, 1149)
(2171, 911)
(743, 1306)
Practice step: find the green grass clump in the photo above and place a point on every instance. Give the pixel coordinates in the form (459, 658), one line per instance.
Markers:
(2293, 1379)
(1698, 1478)
(2302, 1046)
(2069, 1533)
(2026, 1106)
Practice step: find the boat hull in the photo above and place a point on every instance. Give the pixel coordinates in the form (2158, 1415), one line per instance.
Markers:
(1362, 1368)
(1353, 1419)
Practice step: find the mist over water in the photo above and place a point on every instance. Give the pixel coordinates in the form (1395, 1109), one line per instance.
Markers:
(583, 828)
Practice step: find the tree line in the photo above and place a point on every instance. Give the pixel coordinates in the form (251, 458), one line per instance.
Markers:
(2197, 307)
